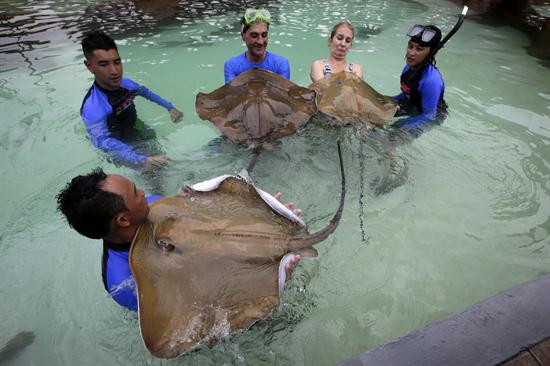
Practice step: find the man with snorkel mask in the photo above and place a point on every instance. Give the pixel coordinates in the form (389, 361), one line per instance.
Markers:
(422, 86)
(254, 32)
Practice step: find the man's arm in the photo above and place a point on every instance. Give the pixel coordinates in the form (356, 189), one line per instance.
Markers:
(294, 259)
(229, 71)
(400, 98)
(125, 294)
(143, 91)
(99, 134)
(430, 89)
(119, 281)
(284, 68)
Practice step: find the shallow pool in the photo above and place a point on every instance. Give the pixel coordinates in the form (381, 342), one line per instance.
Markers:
(471, 218)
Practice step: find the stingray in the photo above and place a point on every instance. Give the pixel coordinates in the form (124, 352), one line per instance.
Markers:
(209, 262)
(257, 107)
(348, 99)
(15, 345)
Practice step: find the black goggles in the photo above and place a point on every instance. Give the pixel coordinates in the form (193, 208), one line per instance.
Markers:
(427, 34)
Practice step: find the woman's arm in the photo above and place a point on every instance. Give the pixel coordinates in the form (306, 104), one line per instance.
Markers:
(357, 71)
(316, 73)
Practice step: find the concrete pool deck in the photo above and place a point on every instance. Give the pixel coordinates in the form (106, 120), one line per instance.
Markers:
(489, 333)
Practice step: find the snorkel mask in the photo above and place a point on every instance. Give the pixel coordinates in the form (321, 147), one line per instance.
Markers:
(425, 36)
(252, 16)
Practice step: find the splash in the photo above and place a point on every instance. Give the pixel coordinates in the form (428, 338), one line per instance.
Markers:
(127, 284)
(193, 332)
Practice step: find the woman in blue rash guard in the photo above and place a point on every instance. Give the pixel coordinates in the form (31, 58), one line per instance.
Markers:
(422, 86)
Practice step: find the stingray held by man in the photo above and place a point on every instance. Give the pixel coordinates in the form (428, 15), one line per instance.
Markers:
(257, 107)
(209, 262)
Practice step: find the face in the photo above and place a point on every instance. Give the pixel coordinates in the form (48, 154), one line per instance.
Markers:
(106, 66)
(340, 43)
(256, 39)
(134, 198)
(416, 54)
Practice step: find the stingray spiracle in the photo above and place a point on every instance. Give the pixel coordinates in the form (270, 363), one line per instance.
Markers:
(165, 245)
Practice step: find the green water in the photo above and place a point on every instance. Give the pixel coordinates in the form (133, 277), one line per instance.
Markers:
(471, 219)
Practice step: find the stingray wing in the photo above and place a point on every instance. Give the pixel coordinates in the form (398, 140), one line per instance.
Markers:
(206, 265)
(349, 99)
(257, 106)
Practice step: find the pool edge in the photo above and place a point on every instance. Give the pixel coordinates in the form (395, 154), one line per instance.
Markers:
(486, 333)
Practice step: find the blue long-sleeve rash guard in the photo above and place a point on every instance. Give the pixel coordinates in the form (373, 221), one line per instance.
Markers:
(234, 66)
(104, 112)
(117, 277)
(431, 88)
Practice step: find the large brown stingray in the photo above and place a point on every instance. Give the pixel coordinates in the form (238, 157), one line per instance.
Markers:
(349, 99)
(257, 106)
(206, 262)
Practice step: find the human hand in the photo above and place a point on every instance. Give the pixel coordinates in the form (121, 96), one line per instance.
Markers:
(291, 265)
(175, 115)
(290, 205)
(154, 162)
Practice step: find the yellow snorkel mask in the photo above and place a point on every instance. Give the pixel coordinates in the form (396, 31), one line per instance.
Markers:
(254, 15)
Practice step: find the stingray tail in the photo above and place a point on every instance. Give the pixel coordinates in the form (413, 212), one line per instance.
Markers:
(322, 234)
(254, 160)
(362, 139)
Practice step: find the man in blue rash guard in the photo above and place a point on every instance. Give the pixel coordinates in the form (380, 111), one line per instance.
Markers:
(422, 86)
(108, 108)
(111, 208)
(254, 32)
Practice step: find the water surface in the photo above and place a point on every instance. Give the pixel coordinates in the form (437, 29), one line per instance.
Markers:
(470, 220)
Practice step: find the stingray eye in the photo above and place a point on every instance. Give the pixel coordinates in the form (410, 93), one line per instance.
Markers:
(164, 245)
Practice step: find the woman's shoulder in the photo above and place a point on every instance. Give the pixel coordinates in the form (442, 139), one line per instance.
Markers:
(356, 70)
(431, 77)
(318, 64)
(317, 70)
(432, 73)
(240, 58)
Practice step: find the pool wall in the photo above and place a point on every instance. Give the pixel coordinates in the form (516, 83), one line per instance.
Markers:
(487, 333)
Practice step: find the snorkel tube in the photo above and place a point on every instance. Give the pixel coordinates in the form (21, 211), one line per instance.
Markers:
(452, 32)
(432, 53)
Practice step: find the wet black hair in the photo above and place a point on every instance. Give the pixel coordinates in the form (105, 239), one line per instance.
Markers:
(97, 40)
(434, 42)
(89, 209)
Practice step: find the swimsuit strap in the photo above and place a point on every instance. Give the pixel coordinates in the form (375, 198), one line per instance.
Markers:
(328, 69)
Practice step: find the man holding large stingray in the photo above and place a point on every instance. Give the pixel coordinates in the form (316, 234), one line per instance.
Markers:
(206, 263)
(254, 32)
(111, 208)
